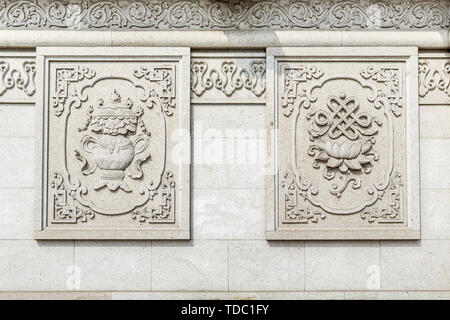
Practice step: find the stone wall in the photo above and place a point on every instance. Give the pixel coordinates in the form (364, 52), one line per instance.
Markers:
(228, 255)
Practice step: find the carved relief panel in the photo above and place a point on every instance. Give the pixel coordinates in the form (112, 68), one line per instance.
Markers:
(108, 119)
(344, 123)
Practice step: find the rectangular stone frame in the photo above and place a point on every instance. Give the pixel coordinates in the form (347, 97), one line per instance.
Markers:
(180, 229)
(407, 55)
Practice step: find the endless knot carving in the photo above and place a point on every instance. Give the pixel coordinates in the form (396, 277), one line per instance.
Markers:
(343, 120)
(346, 156)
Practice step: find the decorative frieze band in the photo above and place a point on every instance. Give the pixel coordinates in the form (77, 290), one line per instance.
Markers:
(216, 76)
(228, 77)
(225, 15)
(434, 78)
(17, 77)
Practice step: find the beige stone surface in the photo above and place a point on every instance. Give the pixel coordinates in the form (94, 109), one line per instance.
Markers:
(111, 266)
(209, 120)
(199, 265)
(415, 265)
(55, 295)
(260, 39)
(398, 295)
(229, 163)
(338, 265)
(16, 213)
(17, 162)
(228, 214)
(17, 120)
(345, 143)
(109, 160)
(434, 167)
(422, 39)
(431, 125)
(263, 266)
(208, 295)
(435, 204)
(31, 266)
(230, 295)
(287, 295)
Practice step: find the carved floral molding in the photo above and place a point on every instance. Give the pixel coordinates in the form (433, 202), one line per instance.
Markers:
(204, 14)
(17, 78)
(228, 77)
(434, 77)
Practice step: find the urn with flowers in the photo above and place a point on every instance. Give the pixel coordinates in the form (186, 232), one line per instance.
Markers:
(113, 145)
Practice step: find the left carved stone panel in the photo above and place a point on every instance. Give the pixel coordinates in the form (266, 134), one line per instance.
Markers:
(107, 118)
(17, 77)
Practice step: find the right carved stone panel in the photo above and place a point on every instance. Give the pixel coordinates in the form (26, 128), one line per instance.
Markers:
(344, 123)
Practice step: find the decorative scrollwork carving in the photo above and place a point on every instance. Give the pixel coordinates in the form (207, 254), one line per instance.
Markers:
(390, 213)
(291, 95)
(162, 86)
(293, 211)
(21, 79)
(391, 78)
(214, 14)
(63, 210)
(164, 211)
(64, 76)
(228, 78)
(431, 79)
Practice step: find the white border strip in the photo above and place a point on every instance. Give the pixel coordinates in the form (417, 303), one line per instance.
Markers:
(438, 39)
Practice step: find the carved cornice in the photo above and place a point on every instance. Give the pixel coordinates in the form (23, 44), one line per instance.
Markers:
(225, 15)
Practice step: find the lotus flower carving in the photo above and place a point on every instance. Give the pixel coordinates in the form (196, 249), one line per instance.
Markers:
(344, 141)
(345, 156)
